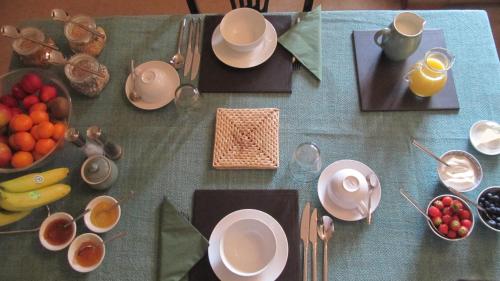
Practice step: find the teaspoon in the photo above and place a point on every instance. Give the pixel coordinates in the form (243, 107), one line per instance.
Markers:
(426, 150)
(325, 232)
(178, 59)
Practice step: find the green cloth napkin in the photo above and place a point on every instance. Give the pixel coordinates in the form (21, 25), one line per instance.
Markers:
(181, 245)
(303, 40)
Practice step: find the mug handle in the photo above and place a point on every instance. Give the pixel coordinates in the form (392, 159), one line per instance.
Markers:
(382, 33)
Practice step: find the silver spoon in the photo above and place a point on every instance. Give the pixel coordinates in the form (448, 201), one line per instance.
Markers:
(116, 236)
(325, 232)
(133, 94)
(77, 217)
(178, 59)
(56, 57)
(372, 183)
(414, 203)
(14, 33)
(62, 15)
(426, 150)
(465, 198)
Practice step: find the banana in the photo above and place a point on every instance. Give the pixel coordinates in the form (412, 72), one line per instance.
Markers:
(33, 199)
(7, 217)
(34, 181)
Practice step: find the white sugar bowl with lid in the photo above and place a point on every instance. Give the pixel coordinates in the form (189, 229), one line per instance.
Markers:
(99, 172)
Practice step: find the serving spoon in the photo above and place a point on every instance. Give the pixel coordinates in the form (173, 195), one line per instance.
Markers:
(430, 153)
(14, 33)
(62, 15)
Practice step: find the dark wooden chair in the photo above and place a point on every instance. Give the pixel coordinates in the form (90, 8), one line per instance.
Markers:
(193, 7)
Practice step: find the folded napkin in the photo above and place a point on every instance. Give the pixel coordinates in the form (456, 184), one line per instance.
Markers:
(303, 40)
(181, 245)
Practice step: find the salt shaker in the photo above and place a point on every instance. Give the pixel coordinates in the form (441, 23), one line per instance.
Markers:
(112, 150)
(89, 148)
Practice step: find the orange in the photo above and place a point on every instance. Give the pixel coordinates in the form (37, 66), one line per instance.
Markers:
(39, 116)
(44, 146)
(38, 107)
(34, 132)
(24, 141)
(45, 130)
(21, 159)
(12, 144)
(59, 131)
(20, 122)
(36, 155)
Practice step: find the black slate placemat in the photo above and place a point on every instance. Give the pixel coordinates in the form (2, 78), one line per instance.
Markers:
(273, 76)
(210, 206)
(380, 81)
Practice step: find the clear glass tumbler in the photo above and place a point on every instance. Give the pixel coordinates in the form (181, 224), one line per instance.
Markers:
(306, 162)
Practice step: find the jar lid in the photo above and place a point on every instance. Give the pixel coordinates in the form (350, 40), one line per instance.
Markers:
(77, 34)
(25, 47)
(96, 169)
(87, 61)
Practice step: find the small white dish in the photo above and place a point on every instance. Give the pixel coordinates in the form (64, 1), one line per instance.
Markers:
(243, 29)
(172, 81)
(331, 206)
(43, 228)
(247, 247)
(75, 245)
(274, 268)
(257, 56)
(492, 145)
(87, 218)
(457, 181)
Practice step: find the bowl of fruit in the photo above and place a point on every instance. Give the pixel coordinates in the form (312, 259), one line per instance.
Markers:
(490, 200)
(451, 217)
(35, 107)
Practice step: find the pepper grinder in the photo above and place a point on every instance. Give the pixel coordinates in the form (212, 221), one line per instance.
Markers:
(90, 149)
(112, 150)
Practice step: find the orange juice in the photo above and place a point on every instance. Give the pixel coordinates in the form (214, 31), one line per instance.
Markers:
(103, 215)
(429, 78)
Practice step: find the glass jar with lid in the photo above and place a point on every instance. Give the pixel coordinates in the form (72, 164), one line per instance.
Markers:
(81, 40)
(32, 53)
(85, 82)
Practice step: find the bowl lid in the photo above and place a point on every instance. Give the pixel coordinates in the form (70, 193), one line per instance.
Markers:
(96, 169)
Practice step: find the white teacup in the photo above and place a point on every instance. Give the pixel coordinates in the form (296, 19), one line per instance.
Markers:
(247, 247)
(151, 84)
(348, 189)
(243, 29)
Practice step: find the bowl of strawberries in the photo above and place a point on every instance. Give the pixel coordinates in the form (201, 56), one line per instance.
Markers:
(35, 107)
(451, 217)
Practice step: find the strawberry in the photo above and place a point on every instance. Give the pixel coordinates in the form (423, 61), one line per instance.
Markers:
(457, 206)
(447, 201)
(454, 225)
(464, 214)
(31, 83)
(447, 211)
(452, 234)
(18, 92)
(30, 100)
(467, 223)
(439, 204)
(462, 231)
(434, 212)
(9, 101)
(48, 93)
(437, 221)
(446, 219)
(455, 218)
(443, 229)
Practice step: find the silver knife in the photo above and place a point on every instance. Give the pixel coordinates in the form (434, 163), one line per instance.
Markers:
(313, 237)
(304, 236)
(189, 55)
(196, 53)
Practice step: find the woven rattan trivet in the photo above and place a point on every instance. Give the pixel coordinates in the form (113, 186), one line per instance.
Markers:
(246, 139)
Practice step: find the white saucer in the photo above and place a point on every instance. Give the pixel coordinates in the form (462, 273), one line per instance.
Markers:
(330, 206)
(277, 264)
(245, 59)
(173, 82)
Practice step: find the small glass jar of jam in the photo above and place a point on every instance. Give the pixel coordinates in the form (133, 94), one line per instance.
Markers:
(31, 53)
(83, 41)
(85, 82)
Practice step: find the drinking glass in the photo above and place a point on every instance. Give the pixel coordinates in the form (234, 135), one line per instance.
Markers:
(187, 97)
(306, 162)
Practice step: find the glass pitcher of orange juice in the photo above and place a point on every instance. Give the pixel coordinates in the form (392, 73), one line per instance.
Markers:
(429, 76)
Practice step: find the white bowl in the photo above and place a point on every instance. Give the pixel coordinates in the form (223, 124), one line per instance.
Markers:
(348, 188)
(92, 204)
(243, 29)
(46, 222)
(478, 171)
(474, 130)
(247, 247)
(433, 228)
(73, 248)
(488, 189)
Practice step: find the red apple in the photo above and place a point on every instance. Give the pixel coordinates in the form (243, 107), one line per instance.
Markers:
(48, 93)
(4, 139)
(15, 111)
(31, 83)
(5, 115)
(18, 92)
(8, 100)
(5, 155)
(29, 101)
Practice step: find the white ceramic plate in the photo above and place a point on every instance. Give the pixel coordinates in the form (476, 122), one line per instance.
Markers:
(330, 206)
(245, 59)
(277, 264)
(173, 82)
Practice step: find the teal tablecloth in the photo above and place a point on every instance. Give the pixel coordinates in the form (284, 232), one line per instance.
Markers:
(170, 154)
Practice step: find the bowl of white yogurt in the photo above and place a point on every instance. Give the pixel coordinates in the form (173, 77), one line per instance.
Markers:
(463, 173)
(484, 135)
